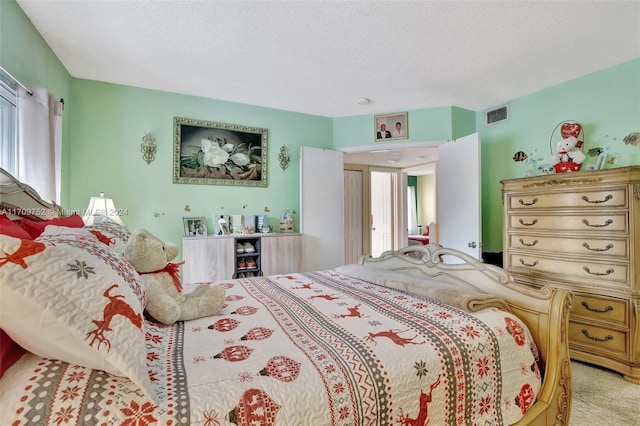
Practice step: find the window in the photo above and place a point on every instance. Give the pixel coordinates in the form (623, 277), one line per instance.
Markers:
(8, 142)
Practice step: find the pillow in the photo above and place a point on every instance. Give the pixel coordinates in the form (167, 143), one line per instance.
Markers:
(65, 230)
(10, 228)
(36, 228)
(68, 297)
(112, 234)
(10, 352)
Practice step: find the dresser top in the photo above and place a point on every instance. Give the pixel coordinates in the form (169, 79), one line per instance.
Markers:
(616, 175)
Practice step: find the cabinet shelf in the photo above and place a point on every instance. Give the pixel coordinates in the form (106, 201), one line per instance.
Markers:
(248, 254)
(255, 242)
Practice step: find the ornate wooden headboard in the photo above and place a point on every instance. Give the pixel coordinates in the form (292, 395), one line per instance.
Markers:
(19, 200)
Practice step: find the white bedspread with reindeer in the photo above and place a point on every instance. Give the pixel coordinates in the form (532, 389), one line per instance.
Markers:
(320, 348)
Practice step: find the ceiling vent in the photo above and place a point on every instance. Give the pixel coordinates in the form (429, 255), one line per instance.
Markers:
(496, 115)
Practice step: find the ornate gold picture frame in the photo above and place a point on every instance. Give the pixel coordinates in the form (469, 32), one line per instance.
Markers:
(206, 152)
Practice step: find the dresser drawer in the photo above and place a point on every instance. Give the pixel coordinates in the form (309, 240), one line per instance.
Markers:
(573, 270)
(615, 197)
(601, 308)
(601, 223)
(598, 340)
(601, 247)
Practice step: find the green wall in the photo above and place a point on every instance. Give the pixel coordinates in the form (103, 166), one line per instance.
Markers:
(27, 57)
(104, 124)
(606, 103)
(424, 125)
(109, 122)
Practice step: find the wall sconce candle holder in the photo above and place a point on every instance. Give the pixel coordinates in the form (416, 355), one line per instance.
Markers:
(148, 148)
(284, 157)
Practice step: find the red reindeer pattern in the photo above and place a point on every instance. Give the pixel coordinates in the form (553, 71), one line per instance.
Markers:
(306, 286)
(27, 248)
(103, 238)
(423, 414)
(394, 336)
(116, 306)
(353, 312)
(326, 297)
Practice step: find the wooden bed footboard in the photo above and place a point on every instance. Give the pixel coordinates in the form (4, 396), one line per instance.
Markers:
(545, 311)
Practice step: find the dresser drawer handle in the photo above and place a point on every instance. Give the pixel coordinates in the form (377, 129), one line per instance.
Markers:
(599, 311)
(607, 223)
(608, 247)
(535, 262)
(600, 274)
(597, 339)
(528, 244)
(535, 200)
(607, 198)
(528, 224)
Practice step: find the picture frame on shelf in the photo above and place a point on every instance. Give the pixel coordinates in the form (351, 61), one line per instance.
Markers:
(212, 153)
(391, 127)
(221, 223)
(194, 226)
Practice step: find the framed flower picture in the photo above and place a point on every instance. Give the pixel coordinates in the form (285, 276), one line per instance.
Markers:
(206, 152)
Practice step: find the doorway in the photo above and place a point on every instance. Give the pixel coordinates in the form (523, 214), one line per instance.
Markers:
(422, 209)
(383, 210)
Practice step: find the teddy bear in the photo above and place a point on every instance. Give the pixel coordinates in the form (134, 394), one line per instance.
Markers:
(566, 152)
(166, 303)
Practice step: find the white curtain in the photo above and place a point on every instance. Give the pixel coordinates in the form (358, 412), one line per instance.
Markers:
(412, 220)
(39, 145)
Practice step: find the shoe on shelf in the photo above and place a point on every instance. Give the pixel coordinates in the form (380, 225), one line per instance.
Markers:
(250, 274)
(239, 248)
(248, 248)
(251, 264)
(242, 264)
(240, 275)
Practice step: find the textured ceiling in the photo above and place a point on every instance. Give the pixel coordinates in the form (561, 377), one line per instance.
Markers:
(320, 57)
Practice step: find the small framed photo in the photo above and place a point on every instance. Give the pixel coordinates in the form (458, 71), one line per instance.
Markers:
(222, 225)
(391, 127)
(602, 159)
(194, 226)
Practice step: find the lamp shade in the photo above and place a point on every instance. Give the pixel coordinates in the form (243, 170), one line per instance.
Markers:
(101, 209)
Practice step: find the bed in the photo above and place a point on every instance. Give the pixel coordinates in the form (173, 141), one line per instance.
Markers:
(422, 335)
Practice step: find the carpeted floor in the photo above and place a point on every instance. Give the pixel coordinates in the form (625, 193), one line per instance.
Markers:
(603, 397)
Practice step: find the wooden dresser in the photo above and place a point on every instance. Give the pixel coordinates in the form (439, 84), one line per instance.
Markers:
(581, 232)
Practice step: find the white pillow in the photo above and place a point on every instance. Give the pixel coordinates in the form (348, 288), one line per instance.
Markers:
(65, 230)
(112, 234)
(69, 297)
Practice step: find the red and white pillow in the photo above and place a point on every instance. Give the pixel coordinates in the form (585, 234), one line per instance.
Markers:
(112, 234)
(70, 297)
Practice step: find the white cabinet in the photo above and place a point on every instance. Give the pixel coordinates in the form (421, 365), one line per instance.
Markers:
(213, 258)
(207, 258)
(282, 254)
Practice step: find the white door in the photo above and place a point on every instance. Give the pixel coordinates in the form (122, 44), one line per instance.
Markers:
(458, 195)
(382, 196)
(321, 208)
